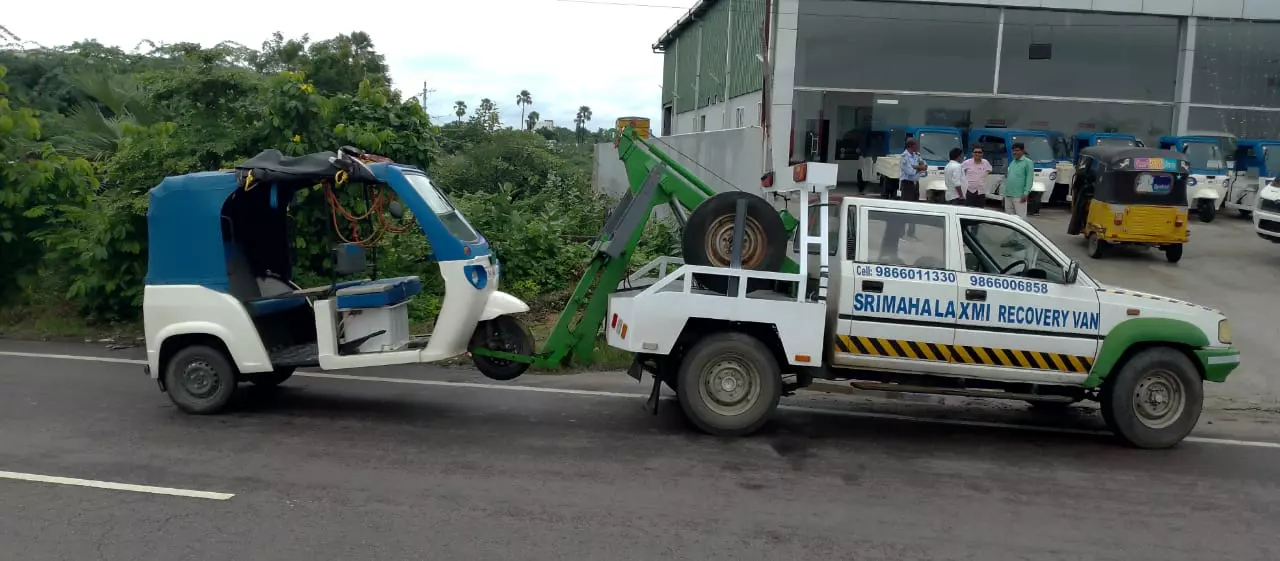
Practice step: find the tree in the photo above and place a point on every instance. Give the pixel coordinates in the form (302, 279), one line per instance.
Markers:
(532, 121)
(487, 115)
(460, 109)
(584, 117)
(522, 99)
(332, 65)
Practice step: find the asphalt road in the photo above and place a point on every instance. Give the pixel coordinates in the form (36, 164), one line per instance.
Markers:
(574, 469)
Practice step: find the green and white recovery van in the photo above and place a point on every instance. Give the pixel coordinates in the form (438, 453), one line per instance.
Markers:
(975, 303)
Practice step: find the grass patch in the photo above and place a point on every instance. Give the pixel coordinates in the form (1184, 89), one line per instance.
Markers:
(54, 322)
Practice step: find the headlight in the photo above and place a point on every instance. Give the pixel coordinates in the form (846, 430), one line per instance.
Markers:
(1224, 332)
(1053, 176)
(1191, 182)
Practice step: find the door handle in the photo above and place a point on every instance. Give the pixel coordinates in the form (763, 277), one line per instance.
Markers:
(975, 295)
(872, 286)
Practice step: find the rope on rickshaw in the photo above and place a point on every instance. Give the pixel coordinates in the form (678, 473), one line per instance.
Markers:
(376, 213)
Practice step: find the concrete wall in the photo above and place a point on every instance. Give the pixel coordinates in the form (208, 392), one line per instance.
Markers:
(721, 116)
(735, 155)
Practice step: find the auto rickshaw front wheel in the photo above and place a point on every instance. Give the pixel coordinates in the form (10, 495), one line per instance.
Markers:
(1206, 210)
(506, 334)
(1173, 253)
(200, 379)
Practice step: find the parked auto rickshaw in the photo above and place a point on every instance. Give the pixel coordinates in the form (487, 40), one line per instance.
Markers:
(1257, 165)
(1210, 172)
(1067, 169)
(220, 306)
(1130, 196)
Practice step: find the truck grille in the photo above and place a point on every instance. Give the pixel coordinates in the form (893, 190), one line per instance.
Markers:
(1268, 205)
(1269, 225)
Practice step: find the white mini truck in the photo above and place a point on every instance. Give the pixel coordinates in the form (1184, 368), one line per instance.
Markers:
(220, 306)
(981, 304)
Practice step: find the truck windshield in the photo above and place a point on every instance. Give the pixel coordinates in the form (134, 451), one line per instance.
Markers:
(452, 219)
(1205, 156)
(938, 145)
(1038, 148)
(1116, 142)
(1271, 159)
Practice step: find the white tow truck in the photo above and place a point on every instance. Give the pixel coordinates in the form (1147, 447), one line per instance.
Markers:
(976, 303)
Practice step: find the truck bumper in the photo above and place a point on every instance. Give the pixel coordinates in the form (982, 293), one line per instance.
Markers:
(1218, 363)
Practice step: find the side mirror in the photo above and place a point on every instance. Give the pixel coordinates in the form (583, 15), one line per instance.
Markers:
(1073, 271)
(396, 210)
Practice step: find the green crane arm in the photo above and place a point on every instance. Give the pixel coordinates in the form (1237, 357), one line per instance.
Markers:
(654, 179)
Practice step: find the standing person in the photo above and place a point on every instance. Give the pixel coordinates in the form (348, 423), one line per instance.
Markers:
(976, 171)
(953, 177)
(911, 167)
(1017, 181)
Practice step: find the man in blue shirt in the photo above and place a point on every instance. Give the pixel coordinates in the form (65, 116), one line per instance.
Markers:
(911, 168)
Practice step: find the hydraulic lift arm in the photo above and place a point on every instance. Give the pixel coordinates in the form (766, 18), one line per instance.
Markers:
(654, 179)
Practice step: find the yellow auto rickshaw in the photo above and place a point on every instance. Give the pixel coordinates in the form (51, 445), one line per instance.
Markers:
(1125, 195)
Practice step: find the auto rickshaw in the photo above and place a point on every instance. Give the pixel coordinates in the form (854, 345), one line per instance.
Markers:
(1257, 166)
(1130, 196)
(220, 306)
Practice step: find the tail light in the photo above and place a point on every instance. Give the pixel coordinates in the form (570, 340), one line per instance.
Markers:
(799, 172)
(1119, 217)
(1179, 220)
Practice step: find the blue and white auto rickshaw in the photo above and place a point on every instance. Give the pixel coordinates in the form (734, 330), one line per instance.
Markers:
(1067, 169)
(220, 306)
(1257, 164)
(935, 144)
(1210, 176)
(997, 145)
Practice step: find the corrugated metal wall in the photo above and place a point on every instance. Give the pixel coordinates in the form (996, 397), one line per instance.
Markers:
(687, 53)
(729, 25)
(715, 38)
(746, 72)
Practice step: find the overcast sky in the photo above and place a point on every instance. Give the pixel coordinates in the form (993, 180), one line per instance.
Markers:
(566, 53)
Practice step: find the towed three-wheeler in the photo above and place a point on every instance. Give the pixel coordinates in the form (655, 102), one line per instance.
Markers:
(220, 305)
(1130, 196)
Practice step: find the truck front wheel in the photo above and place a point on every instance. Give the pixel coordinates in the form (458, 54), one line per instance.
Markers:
(729, 384)
(1154, 401)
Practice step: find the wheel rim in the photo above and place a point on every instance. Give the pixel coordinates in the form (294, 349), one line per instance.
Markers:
(730, 386)
(719, 242)
(1159, 399)
(501, 340)
(200, 380)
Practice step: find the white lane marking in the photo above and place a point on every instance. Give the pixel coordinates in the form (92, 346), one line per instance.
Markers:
(115, 486)
(75, 357)
(599, 393)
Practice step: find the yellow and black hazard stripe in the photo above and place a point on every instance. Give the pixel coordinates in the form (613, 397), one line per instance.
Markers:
(963, 354)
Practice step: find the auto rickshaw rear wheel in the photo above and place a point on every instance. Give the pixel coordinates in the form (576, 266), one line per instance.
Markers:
(200, 379)
(1173, 252)
(1097, 247)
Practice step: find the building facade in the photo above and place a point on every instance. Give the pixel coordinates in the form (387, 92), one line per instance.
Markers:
(812, 73)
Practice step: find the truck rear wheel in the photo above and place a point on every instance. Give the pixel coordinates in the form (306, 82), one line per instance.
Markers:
(200, 379)
(1154, 400)
(708, 238)
(729, 384)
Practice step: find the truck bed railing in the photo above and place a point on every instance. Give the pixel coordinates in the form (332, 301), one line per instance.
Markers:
(645, 275)
(682, 280)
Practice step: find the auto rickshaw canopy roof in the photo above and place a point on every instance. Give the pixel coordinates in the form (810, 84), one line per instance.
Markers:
(1118, 171)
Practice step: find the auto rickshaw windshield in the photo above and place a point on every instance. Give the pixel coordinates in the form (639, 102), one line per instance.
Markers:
(938, 145)
(1205, 155)
(1271, 158)
(1113, 141)
(452, 219)
(1038, 148)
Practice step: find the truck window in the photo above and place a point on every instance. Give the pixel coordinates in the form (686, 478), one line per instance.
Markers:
(891, 241)
(997, 249)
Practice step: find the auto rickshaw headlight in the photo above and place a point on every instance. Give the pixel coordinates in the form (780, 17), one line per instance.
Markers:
(1053, 176)
(1224, 332)
(1191, 182)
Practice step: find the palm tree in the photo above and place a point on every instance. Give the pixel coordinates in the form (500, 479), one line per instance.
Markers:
(460, 109)
(584, 117)
(532, 120)
(522, 99)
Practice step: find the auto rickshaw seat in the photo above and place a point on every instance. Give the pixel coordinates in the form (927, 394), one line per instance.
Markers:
(378, 293)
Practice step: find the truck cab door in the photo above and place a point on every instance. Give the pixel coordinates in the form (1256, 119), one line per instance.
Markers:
(1019, 319)
(896, 307)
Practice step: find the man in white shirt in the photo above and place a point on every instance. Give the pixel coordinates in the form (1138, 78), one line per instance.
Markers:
(953, 177)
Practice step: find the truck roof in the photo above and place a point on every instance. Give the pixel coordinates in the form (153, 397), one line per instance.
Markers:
(958, 210)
